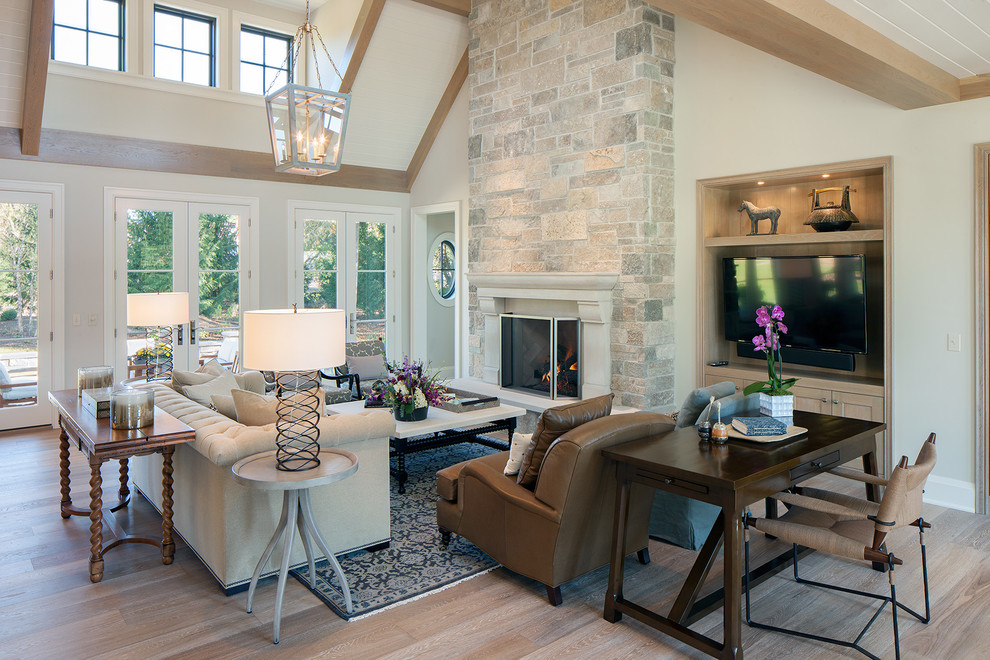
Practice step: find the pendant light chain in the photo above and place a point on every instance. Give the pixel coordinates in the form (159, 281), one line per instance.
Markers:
(301, 32)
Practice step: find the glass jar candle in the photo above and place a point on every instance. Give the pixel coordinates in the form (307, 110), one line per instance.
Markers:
(93, 378)
(132, 408)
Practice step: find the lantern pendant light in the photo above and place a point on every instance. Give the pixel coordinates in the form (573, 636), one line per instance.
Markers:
(307, 124)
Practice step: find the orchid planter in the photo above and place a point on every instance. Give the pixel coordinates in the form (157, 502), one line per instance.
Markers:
(779, 407)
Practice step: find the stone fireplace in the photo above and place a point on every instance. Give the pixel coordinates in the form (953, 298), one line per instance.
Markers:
(571, 177)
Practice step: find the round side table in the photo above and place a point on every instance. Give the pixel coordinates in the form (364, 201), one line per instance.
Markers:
(259, 471)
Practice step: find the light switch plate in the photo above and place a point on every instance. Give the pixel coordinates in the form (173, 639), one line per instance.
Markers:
(92, 319)
(76, 319)
(952, 342)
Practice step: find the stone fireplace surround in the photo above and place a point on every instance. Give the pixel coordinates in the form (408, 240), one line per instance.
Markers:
(586, 296)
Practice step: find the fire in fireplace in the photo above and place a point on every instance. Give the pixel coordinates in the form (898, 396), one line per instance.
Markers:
(541, 355)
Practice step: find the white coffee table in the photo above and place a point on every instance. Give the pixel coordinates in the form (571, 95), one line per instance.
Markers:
(259, 471)
(442, 428)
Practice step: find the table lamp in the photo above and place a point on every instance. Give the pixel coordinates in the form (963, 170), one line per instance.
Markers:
(160, 311)
(295, 344)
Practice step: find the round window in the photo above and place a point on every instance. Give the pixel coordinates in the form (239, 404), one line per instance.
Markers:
(442, 268)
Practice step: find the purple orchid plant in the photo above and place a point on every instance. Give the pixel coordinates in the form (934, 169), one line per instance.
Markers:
(772, 322)
(409, 386)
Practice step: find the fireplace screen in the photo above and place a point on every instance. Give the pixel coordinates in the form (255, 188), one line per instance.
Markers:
(541, 355)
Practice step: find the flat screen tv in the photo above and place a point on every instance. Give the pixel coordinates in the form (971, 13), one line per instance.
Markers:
(823, 297)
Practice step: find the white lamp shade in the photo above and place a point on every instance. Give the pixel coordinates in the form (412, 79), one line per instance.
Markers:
(150, 309)
(294, 340)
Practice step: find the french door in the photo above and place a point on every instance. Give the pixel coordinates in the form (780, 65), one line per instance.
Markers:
(344, 260)
(179, 246)
(26, 308)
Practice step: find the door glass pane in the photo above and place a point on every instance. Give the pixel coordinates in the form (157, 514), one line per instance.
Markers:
(18, 304)
(370, 302)
(320, 264)
(149, 270)
(219, 287)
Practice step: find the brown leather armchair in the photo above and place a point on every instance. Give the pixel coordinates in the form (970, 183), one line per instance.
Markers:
(562, 529)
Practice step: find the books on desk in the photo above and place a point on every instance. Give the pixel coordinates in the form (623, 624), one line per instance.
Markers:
(759, 426)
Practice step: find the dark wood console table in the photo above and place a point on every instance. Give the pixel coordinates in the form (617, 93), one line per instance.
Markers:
(99, 443)
(732, 476)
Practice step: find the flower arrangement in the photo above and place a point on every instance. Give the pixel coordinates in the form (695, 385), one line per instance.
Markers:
(146, 355)
(772, 322)
(410, 387)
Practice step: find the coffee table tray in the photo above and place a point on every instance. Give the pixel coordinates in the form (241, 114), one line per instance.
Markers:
(465, 401)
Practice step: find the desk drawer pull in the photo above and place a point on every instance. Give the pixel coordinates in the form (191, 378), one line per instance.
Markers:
(675, 484)
(814, 466)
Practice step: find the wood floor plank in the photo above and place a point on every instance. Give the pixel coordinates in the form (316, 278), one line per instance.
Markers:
(143, 609)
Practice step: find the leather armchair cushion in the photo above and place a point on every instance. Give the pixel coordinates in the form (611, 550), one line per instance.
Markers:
(555, 422)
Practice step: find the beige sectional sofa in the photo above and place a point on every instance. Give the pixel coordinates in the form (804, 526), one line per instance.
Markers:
(228, 525)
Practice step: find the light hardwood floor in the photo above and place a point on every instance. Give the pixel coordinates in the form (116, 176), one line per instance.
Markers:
(143, 609)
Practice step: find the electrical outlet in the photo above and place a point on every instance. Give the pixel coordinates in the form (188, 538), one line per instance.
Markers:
(952, 342)
(76, 319)
(92, 319)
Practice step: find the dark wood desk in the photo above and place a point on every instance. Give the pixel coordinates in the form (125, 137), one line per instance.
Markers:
(732, 477)
(99, 443)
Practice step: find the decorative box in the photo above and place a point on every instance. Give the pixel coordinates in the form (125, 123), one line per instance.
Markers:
(97, 402)
(464, 401)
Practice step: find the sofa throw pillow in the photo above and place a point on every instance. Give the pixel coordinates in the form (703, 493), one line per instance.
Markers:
(555, 422)
(698, 399)
(257, 410)
(211, 366)
(369, 367)
(520, 443)
(737, 404)
(224, 404)
(205, 373)
(201, 393)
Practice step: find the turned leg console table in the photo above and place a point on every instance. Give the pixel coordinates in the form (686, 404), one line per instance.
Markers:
(99, 443)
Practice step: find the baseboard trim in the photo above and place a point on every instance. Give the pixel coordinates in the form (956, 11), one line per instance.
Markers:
(951, 493)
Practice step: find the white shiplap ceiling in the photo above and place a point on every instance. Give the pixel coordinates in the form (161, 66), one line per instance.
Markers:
(409, 62)
(954, 35)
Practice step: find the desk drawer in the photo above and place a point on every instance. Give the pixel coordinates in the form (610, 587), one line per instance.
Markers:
(817, 465)
(672, 484)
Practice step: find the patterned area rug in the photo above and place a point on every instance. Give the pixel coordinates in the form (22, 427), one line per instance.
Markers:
(414, 565)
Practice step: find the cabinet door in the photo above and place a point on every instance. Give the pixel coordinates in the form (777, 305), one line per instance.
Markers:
(812, 399)
(857, 406)
(712, 379)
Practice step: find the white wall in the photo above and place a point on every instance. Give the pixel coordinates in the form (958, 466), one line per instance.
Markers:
(444, 175)
(738, 110)
(85, 242)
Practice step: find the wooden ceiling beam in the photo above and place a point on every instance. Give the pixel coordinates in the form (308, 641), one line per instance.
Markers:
(36, 74)
(459, 7)
(357, 46)
(75, 148)
(820, 38)
(974, 87)
(436, 122)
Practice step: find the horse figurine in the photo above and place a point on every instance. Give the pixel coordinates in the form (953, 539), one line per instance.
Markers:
(756, 214)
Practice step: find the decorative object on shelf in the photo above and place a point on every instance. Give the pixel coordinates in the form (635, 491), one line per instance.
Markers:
(132, 408)
(756, 214)
(775, 390)
(97, 401)
(307, 124)
(720, 432)
(410, 390)
(158, 312)
(92, 378)
(295, 343)
(829, 217)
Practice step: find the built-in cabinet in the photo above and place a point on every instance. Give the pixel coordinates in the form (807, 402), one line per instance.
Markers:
(863, 393)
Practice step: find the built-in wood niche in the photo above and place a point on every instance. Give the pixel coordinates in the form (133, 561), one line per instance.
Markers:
(722, 232)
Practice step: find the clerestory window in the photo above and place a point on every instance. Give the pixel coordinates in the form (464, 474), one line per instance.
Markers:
(185, 46)
(89, 32)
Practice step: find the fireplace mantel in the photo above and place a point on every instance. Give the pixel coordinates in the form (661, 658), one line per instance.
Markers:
(588, 297)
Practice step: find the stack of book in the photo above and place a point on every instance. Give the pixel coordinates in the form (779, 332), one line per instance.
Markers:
(756, 426)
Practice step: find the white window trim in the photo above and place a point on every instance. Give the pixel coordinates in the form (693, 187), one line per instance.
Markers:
(239, 19)
(222, 33)
(110, 196)
(448, 237)
(393, 342)
(57, 192)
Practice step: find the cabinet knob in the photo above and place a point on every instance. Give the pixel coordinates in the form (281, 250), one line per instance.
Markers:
(835, 401)
(824, 400)
(668, 480)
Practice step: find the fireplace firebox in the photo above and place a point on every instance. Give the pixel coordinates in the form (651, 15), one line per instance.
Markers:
(541, 355)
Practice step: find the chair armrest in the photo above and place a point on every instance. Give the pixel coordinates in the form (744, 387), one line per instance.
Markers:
(858, 475)
(505, 489)
(27, 383)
